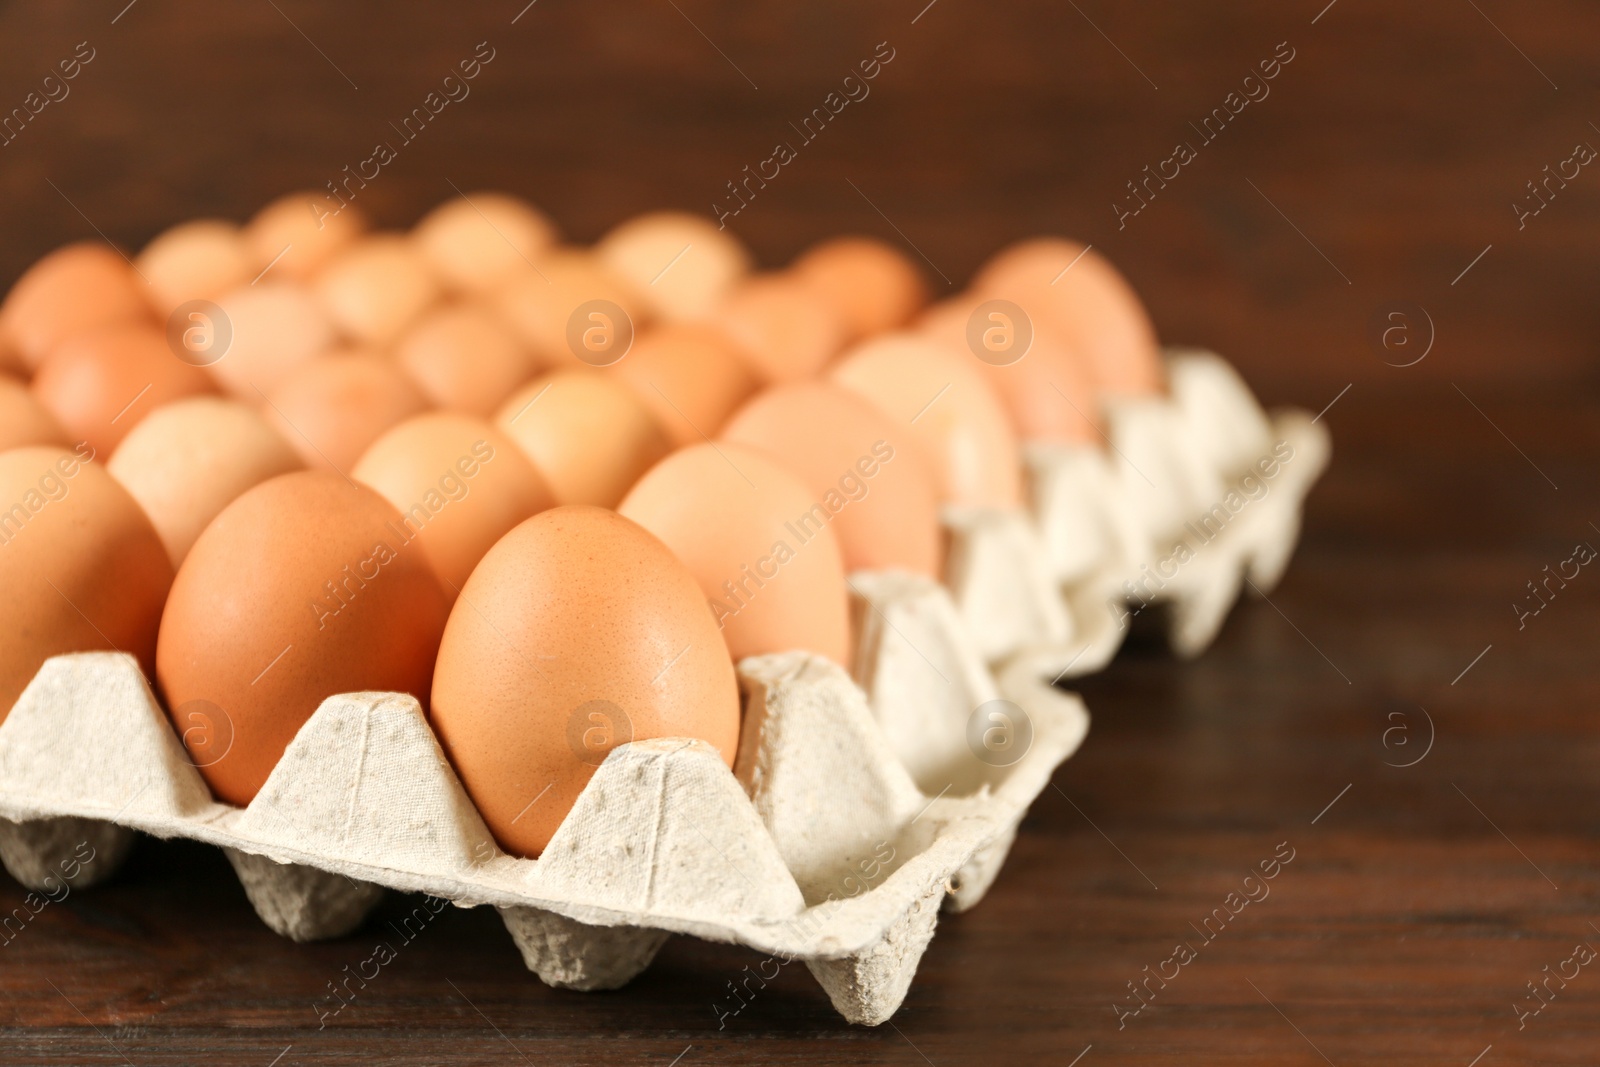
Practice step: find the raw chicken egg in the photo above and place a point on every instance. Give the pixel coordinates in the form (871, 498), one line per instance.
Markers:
(689, 378)
(76, 289)
(474, 242)
(263, 335)
(871, 285)
(680, 264)
(376, 287)
(333, 407)
(571, 310)
(297, 234)
(465, 359)
(24, 421)
(784, 330)
(197, 260)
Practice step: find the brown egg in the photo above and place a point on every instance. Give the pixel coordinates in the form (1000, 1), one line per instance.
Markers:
(23, 421)
(299, 590)
(99, 385)
(744, 526)
(459, 484)
(552, 308)
(871, 285)
(297, 234)
(77, 289)
(781, 328)
(464, 358)
(197, 260)
(477, 241)
(272, 330)
(869, 481)
(333, 407)
(375, 288)
(680, 264)
(188, 460)
(939, 399)
(578, 632)
(590, 436)
(689, 378)
(82, 568)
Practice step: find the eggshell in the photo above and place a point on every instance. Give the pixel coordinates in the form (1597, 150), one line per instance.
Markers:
(275, 328)
(578, 632)
(299, 233)
(188, 460)
(465, 358)
(680, 264)
(871, 285)
(689, 378)
(375, 288)
(197, 260)
(76, 289)
(542, 302)
(938, 398)
(459, 484)
(299, 590)
(590, 436)
(99, 385)
(870, 481)
(781, 328)
(81, 566)
(333, 407)
(475, 242)
(774, 575)
(24, 421)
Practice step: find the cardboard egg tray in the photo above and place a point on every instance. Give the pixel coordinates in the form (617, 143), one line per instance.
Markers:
(854, 812)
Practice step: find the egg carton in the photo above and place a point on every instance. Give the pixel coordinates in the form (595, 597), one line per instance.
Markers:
(852, 814)
(1175, 513)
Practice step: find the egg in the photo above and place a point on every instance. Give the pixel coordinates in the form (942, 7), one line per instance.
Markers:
(459, 485)
(744, 526)
(571, 310)
(476, 241)
(99, 385)
(264, 334)
(689, 378)
(296, 235)
(375, 288)
(871, 285)
(869, 481)
(24, 421)
(299, 590)
(81, 566)
(781, 328)
(590, 436)
(464, 358)
(188, 460)
(77, 289)
(680, 264)
(333, 407)
(198, 260)
(578, 632)
(939, 399)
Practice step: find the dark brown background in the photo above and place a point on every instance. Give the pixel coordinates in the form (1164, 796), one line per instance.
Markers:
(1396, 141)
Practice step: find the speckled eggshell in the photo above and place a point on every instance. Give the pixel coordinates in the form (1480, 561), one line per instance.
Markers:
(783, 329)
(539, 303)
(680, 264)
(198, 260)
(579, 631)
(81, 566)
(76, 289)
(464, 358)
(689, 378)
(375, 288)
(476, 241)
(24, 421)
(333, 407)
(299, 233)
(872, 285)
(300, 589)
(275, 328)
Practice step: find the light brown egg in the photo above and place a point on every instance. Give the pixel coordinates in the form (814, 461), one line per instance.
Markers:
(781, 328)
(333, 408)
(552, 308)
(871, 285)
(477, 241)
(197, 260)
(188, 460)
(739, 521)
(578, 632)
(82, 568)
(299, 233)
(76, 289)
(465, 358)
(99, 385)
(273, 329)
(689, 378)
(869, 481)
(24, 421)
(680, 264)
(590, 436)
(375, 288)
(299, 590)
(459, 484)
(938, 398)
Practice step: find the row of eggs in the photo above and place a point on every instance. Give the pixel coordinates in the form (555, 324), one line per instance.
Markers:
(404, 473)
